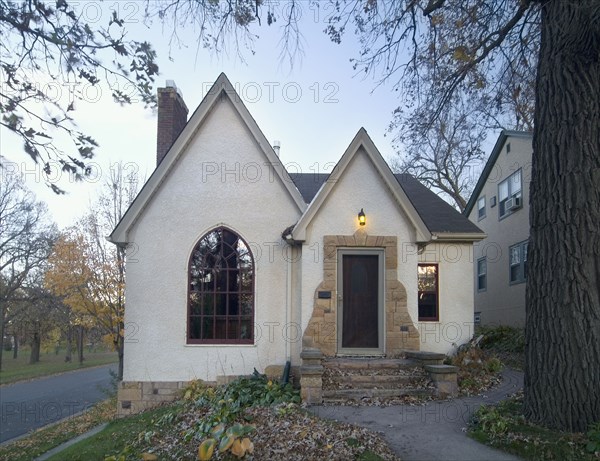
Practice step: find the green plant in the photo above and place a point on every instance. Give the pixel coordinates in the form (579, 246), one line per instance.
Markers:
(593, 442)
(195, 389)
(224, 439)
(493, 365)
(491, 421)
(226, 404)
(502, 338)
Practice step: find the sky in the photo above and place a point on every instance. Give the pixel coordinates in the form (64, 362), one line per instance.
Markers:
(313, 108)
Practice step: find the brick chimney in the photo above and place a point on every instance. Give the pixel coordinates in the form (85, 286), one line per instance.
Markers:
(172, 117)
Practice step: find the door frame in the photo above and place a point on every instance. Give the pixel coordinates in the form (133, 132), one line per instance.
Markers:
(380, 253)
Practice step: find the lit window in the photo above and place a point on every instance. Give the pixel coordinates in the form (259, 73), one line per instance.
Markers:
(221, 290)
(428, 292)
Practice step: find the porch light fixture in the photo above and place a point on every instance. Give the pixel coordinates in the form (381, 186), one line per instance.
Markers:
(362, 218)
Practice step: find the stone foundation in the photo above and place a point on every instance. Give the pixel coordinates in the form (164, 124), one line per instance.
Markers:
(135, 396)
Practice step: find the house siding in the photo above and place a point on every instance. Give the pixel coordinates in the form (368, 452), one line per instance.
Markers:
(503, 303)
(221, 179)
(455, 297)
(361, 186)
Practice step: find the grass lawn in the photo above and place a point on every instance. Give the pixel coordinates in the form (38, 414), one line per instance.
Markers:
(504, 427)
(113, 439)
(42, 440)
(50, 363)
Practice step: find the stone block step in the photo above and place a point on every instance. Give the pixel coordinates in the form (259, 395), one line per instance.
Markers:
(379, 381)
(425, 358)
(358, 394)
(368, 363)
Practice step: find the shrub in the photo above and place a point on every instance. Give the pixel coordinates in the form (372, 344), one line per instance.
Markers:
(502, 339)
(593, 436)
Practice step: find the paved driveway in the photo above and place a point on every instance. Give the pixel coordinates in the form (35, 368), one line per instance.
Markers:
(29, 405)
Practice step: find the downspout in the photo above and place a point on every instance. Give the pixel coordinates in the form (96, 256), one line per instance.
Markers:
(288, 311)
(288, 307)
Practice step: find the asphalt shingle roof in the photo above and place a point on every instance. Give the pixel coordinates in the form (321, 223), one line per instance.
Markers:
(437, 215)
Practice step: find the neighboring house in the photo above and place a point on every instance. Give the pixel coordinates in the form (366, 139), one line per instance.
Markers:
(234, 264)
(499, 206)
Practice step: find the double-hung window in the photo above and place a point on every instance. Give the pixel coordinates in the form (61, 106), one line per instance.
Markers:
(509, 194)
(481, 208)
(481, 274)
(518, 262)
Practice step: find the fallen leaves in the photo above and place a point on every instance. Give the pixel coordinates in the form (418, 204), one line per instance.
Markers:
(294, 435)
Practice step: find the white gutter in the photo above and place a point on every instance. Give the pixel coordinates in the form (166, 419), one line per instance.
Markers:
(288, 304)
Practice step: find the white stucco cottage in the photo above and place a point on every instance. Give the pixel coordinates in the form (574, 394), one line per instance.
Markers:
(237, 265)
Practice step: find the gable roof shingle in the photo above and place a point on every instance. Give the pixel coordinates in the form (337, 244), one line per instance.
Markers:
(438, 216)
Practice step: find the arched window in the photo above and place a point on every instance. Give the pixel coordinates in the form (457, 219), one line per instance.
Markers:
(221, 290)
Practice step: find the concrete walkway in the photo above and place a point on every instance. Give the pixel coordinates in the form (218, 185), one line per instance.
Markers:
(435, 431)
(67, 444)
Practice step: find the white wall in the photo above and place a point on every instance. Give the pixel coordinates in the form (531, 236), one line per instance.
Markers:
(455, 291)
(360, 187)
(220, 179)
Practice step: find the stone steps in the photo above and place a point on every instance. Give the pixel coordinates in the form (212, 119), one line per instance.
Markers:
(358, 378)
(340, 379)
(375, 381)
(362, 364)
(341, 395)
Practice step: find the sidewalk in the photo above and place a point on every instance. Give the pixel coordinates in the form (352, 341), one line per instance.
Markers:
(435, 431)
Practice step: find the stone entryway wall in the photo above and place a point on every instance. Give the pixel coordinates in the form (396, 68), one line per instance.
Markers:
(400, 332)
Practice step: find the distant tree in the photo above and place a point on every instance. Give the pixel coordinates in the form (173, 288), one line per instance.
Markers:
(48, 49)
(87, 271)
(490, 51)
(26, 236)
(447, 158)
(37, 317)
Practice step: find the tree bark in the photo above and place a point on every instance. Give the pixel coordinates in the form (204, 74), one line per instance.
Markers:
(15, 346)
(36, 342)
(2, 322)
(562, 376)
(80, 344)
(68, 357)
(121, 352)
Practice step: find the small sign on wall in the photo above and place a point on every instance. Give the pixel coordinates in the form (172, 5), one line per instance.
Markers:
(324, 294)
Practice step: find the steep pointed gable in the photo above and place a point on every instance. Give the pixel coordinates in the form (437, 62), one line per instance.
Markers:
(489, 165)
(222, 88)
(361, 140)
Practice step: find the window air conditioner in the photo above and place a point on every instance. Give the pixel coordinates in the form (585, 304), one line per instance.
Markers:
(513, 203)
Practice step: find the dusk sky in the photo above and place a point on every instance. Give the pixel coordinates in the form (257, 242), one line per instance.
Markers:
(313, 108)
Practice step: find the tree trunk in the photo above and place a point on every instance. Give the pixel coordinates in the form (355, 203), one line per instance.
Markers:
(562, 375)
(36, 342)
(2, 321)
(80, 344)
(121, 352)
(15, 346)
(68, 357)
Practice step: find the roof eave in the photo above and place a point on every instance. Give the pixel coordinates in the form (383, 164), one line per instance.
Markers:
(222, 86)
(504, 135)
(457, 236)
(362, 138)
